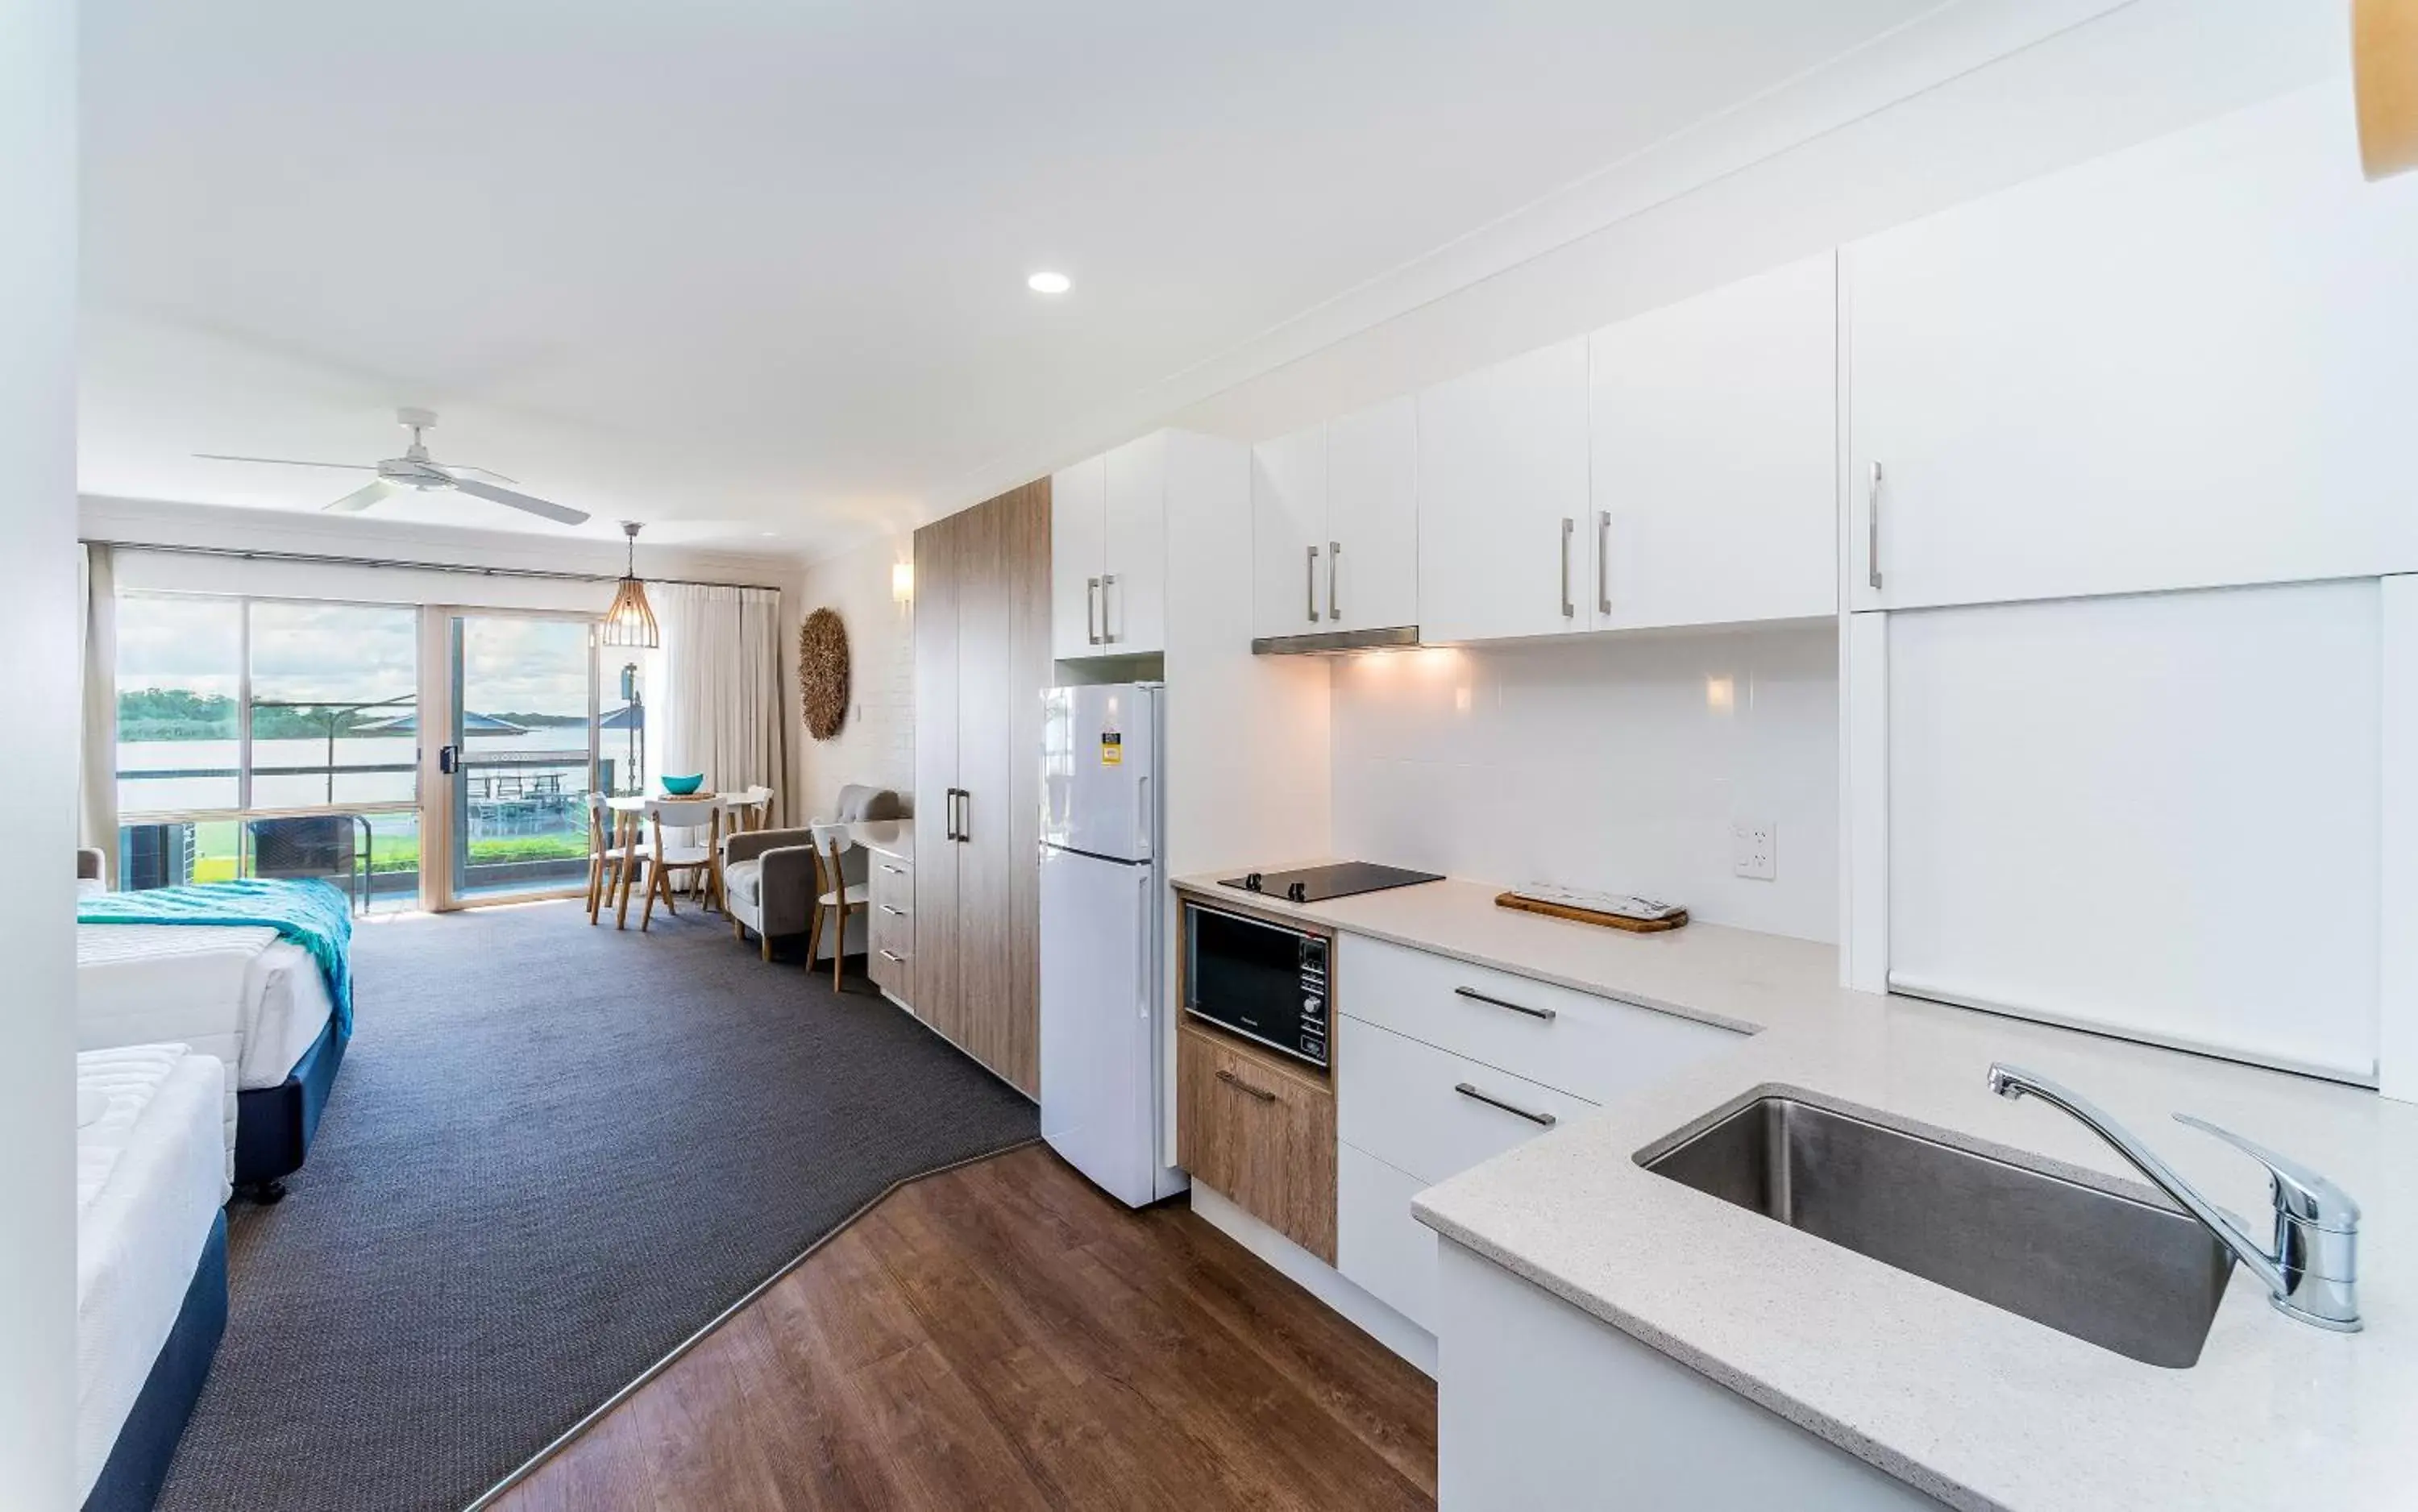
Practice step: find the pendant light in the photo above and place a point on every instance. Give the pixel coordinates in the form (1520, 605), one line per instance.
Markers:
(630, 621)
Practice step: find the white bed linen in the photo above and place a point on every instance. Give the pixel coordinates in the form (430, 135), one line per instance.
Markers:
(235, 991)
(150, 1178)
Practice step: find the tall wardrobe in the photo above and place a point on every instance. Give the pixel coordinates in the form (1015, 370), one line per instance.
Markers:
(982, 661)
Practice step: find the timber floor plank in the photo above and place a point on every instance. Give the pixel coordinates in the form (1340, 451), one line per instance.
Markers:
(1005, 1336)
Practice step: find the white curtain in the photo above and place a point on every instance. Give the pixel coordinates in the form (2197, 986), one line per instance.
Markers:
(97, 772)
(723, 709)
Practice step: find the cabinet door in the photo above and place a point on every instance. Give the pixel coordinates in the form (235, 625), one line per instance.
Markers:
(1715, 457)
(984, 768)
(1289, 534)
(1503, 492)
(932, 972)
(1133, 588)
(1260, 1134)
(1077, 548)
(1373, 516)
(2186, 365)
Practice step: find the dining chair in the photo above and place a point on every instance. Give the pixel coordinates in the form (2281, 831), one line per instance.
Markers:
(834, 895)
(669, 859)
(610, 856)
(752, 809)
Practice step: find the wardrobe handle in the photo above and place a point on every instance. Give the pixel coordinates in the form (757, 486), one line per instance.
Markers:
(1873, 531)
(965, 816)
(1334, 554)
(1246, 1088)
(1310, 582)
(1092, 614)
(1108, 636)
(1603, 561)
(1569, 610)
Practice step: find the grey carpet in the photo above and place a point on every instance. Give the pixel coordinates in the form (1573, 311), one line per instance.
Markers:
(553, 1152)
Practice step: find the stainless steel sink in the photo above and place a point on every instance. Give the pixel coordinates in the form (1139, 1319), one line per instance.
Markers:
(2132, 1277)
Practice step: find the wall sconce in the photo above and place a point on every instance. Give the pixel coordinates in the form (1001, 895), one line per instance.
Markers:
(902, 582)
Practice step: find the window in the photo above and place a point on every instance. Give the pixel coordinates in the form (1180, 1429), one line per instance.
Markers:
(180, 685)
(334, 694)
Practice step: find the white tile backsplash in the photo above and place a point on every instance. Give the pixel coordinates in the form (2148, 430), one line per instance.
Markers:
(1602, 764)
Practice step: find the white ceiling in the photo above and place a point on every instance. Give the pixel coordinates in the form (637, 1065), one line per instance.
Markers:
(758, 266)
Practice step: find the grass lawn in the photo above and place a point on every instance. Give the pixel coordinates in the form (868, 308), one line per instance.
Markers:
(403, 854)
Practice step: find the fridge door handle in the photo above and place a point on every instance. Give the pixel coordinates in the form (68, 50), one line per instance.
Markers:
(1142, 964)
(1142, 817)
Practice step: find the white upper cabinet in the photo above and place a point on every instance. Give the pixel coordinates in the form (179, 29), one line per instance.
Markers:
(2187, 364)
(1372, 517)
(1108, 553)
(1289, 534)
(1502, 500)
(1133, 562)
(1335, 526)
(1078, 544)
(1715, 456)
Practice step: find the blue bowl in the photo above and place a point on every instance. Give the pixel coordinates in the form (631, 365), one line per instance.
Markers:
(683, 786)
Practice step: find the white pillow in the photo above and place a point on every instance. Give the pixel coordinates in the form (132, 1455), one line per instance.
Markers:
(90, 1107)
(90, 887)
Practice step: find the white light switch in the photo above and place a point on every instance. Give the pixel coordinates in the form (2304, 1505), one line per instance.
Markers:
(1754, 848)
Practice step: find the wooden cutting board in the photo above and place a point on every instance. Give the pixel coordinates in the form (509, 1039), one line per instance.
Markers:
(1612, 920)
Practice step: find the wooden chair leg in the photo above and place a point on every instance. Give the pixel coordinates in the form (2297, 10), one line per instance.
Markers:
(595, 877)
(621, 877)
(767, 942)
(839, 945)
(814, 932)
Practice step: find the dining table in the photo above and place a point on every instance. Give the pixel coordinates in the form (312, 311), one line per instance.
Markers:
(746, 808)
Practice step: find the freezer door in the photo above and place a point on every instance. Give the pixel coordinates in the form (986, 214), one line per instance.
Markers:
(1099, 1039)
(1099, 769)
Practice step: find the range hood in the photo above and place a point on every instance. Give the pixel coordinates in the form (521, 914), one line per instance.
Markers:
(1330, 641)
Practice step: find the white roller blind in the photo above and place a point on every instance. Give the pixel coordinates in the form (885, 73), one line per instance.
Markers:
(2155, 815)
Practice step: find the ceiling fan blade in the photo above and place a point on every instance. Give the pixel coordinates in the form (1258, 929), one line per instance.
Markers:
(288, 461)
(483, 472)
(519, 501)
(362, 498)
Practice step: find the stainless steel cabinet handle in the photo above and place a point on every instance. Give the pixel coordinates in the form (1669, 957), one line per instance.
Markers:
(965, 815)
(1246, 1088)
(1092, 610)
(1310, 581)
(1334, 556)
(1603, 561)
(1544, 1120)
(894, 957)
(1475, 996)
(1873, 531)
(895, 913)
(895, 871)
(1108, 635)
(1569, 610)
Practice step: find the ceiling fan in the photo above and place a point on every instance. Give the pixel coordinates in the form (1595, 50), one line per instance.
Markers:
(416, 470)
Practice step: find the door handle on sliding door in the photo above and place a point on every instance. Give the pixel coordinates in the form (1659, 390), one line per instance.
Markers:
(449, 759)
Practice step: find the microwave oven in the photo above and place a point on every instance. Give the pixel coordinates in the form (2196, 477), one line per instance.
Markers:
(1267, 982)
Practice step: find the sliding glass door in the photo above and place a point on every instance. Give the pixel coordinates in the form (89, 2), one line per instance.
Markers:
(518, 756)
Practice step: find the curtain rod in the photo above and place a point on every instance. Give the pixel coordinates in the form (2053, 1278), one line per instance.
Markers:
(253, 553)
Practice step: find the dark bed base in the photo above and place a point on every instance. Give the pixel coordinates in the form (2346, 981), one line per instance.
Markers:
(273, 1124)
(138, 1463)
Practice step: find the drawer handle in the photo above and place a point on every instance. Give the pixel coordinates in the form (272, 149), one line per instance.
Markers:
(895, 871)
(1543, 1119)
(1475, 996)
(894, 958)
(895, 913)
(1241, 1086)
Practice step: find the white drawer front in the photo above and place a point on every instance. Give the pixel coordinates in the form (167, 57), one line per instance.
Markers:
(1402, 1102)
(1591, 1047)
(1378, 1244)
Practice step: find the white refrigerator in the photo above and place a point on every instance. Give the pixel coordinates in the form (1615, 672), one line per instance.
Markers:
(1107, 1046)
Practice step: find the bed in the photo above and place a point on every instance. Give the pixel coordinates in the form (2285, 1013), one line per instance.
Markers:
(243, 992)
(151, 1288)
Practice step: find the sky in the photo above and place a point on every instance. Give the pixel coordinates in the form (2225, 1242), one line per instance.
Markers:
(303, 652)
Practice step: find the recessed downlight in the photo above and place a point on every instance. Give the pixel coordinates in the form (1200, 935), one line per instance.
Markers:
(1047, 283)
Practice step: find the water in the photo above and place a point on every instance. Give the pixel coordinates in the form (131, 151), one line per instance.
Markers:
(187, 792)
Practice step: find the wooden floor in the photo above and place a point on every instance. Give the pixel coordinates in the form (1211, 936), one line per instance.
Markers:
(1003, 1336)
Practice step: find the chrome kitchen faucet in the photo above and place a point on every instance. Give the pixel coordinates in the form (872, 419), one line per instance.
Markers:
(2313, 1275)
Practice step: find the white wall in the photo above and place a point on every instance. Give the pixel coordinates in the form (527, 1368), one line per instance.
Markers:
(877, 743)
(1616, 764)
(37, 743)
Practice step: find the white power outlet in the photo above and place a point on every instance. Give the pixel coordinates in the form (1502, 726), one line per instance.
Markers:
(1754, 848)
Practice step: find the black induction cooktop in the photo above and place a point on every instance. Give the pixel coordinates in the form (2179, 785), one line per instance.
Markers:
(1316, 884)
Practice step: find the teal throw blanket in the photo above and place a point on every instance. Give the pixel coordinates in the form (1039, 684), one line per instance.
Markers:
(313, 914)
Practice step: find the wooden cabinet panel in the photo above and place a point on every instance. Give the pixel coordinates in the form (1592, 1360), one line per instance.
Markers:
(1014, 1040)
(933, 971)
(1260, 1133)
(1133, 602)
(1715, 456)
(984, 733)
(1372, 517)
(1077, 549)
(1289, 534)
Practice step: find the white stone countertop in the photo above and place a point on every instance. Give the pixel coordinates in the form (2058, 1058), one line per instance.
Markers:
(1977, 1406)
(895, 838)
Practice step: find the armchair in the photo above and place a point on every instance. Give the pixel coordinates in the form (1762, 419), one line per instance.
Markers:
(768, 876)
